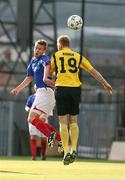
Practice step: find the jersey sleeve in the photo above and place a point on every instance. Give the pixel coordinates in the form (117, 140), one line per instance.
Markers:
(47, 61)
(85, 64)
(29, 70)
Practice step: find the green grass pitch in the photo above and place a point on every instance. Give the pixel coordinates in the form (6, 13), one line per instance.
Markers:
(22, 168)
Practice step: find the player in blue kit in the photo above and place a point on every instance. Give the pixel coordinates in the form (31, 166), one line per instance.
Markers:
(45, 100)
(38, 140)
(36, 136)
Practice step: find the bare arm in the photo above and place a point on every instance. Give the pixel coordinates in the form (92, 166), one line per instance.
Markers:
(99, 77)
(21, 86)
(48, 81)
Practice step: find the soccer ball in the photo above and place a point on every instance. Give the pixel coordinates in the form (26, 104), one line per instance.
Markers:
(74, 22)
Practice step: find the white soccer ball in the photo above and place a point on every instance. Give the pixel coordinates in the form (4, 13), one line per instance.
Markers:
(74, 22)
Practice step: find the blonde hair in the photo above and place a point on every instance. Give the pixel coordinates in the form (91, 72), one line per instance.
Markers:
(64, 40)
(42, 42)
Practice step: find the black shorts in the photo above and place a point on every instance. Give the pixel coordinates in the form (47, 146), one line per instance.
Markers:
(67, 100)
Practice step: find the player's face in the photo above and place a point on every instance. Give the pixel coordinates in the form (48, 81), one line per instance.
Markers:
(39, 50)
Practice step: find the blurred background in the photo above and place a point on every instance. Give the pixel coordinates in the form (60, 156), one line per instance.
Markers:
(101, 40)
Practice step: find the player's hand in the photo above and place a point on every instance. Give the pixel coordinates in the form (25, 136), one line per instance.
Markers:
(14, 92)
(108, 88)
(49, 82)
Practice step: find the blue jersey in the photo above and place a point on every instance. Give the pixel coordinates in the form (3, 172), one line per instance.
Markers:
(36, 69)
(30, 100)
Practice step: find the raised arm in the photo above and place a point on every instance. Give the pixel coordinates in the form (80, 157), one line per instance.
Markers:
(99, 77)
(21, 86)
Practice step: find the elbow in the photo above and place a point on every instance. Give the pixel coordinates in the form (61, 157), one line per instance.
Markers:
(45, 80)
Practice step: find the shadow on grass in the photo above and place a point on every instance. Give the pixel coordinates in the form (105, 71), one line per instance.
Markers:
(28, 158)
(14, 172)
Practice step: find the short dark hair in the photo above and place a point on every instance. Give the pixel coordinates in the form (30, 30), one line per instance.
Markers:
(64, 40)
(42, 42)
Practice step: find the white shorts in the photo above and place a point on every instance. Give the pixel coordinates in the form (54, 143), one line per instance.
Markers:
(44, 102)
(34, 131)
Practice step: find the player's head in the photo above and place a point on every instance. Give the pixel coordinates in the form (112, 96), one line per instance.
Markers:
(40, 48)
(63, 41)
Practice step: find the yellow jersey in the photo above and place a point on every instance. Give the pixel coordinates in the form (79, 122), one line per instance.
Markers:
(66, 64)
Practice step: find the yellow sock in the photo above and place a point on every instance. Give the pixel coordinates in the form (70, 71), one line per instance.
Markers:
(74, 134)
(64, 137)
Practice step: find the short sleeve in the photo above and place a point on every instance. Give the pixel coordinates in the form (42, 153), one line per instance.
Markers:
(29, 70)
(85, 64)
(46, 60)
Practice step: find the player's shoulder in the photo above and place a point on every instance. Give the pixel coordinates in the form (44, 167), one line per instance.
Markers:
(44, 58)
(32, 60)
(75, 52)
(56, 53)
(71, 51)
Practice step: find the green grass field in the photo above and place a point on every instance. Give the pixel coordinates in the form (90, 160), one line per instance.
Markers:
(17, 168)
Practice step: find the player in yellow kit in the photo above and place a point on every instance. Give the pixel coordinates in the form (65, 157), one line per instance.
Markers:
(66, 63)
